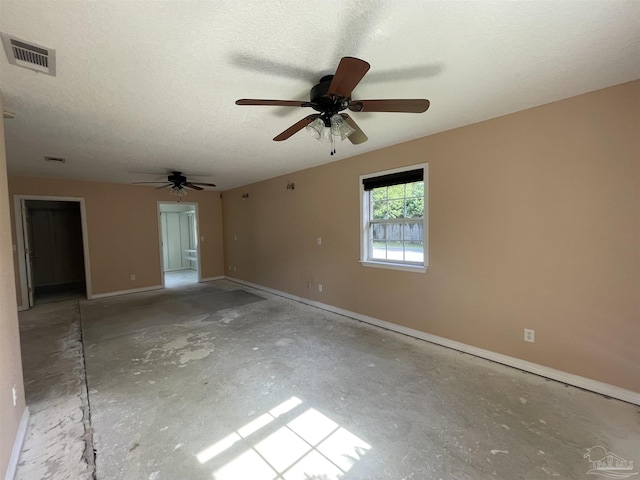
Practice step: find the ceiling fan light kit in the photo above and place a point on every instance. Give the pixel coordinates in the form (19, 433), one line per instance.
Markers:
(326, 136)
(178, 192)
(316, 128)
(325, 129)
(330, 97)
(340, 128)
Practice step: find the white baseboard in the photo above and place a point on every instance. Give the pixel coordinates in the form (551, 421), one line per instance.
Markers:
(124, 292)
(17, 445)
(210, 279)
(547, 372)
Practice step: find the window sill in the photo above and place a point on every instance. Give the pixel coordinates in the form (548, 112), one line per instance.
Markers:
(395, 266)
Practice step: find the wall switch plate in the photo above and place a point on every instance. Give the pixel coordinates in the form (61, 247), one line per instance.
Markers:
(319, 240)
(529, 335)
(133, 277)
(14, 393)
(319, 287)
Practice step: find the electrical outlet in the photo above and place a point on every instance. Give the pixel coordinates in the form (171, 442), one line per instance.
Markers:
(529, 335)
(319, 287)
(319, 240)
(14, 392)
(133, 277)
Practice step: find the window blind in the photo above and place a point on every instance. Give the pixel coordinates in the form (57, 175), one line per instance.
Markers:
(393, 179)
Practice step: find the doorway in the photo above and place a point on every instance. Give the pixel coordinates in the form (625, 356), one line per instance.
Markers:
(180, 257)
(52, 250)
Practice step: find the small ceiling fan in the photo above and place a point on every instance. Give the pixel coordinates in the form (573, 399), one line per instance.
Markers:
(330, 97)
(177, 181)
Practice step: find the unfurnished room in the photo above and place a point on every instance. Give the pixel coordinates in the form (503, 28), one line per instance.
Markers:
(383, 240)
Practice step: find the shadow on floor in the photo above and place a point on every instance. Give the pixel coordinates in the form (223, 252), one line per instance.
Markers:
(59, 293)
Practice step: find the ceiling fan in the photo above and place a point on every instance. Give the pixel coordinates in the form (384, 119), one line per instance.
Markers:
(330, 97)
(177, 181)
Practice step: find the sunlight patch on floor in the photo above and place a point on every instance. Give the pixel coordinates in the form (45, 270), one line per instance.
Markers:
(307, 447)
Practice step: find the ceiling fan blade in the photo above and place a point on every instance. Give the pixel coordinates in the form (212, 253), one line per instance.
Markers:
(349, 73)
(274, 103)
(358, 136)
(163, 186)
(406, 106)
(191, 185)
(202, 183)
(296, 127)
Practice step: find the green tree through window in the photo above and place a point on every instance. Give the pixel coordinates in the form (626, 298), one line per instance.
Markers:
(398, 201)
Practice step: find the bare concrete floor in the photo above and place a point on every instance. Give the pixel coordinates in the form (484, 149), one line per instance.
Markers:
(215, 381)
(58, 441)
(180, 278)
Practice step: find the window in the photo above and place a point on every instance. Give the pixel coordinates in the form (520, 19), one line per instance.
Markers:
(394, 220)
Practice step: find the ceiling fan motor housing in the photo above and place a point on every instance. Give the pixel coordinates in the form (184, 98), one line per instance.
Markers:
(177, 178)
(323, 102)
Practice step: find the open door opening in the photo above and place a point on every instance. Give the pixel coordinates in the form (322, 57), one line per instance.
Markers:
(54, 252)
(179, 241)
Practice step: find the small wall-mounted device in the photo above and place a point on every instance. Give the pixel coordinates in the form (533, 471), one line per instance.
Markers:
(245, 196)
(529, 335)
(291, 186)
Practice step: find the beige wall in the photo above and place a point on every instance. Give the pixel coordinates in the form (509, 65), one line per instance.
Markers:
(123, 235)
(534, 222)
(10, 361)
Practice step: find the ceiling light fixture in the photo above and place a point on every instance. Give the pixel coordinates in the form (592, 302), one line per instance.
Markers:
(340, 128)
(315, 128)
(325, 128)
(178, 192)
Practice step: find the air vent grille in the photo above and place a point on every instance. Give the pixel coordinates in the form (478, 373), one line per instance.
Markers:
(55, 159)
(28, 55)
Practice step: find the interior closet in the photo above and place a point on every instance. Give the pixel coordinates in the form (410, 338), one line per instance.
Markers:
(56, 257)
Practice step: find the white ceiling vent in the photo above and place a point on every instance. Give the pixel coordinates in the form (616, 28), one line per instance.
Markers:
(28, 55)
(55, 159)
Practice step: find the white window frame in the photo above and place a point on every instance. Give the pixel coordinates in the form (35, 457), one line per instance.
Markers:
(365, 259)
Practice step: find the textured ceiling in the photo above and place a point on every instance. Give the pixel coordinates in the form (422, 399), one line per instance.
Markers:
(151, 85)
